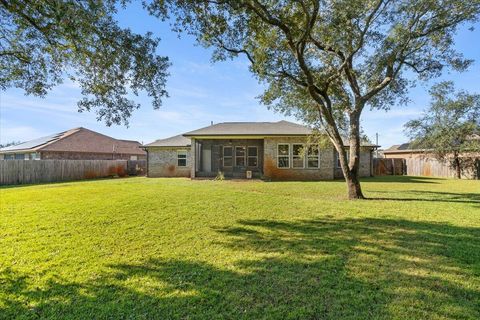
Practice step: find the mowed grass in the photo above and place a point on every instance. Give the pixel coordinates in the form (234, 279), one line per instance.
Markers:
(142, 248)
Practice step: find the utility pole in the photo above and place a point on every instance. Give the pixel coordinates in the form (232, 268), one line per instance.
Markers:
(376, 142)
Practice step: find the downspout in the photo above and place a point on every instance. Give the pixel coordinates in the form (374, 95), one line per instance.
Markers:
(375, 149)
(146, 150)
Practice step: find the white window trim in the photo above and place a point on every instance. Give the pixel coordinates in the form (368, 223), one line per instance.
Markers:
(317, 156)
(256, 157)
(186, 157)
(302, 157)
(244, 156)
(223, 156)
(283, 156)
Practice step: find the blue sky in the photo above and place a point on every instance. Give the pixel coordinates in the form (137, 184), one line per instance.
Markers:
(200, 92)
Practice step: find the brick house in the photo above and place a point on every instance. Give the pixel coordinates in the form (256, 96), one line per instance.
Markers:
(75, 144)
(403, 151)
(267, 150)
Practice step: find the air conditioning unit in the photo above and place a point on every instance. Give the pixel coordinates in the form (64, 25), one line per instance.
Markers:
(249, 174)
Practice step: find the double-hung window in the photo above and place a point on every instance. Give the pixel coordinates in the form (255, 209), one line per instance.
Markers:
(298, 160)
(181, 158)
(313, 156)
(227, 156)
(283, 155)
(252, 156)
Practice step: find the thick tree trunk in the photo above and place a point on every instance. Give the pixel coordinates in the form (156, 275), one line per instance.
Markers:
(456, 163)
(352, 176)
(350, 172)
(351, 168)
(354, 188)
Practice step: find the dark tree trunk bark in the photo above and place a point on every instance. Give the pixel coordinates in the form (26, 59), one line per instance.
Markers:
(456, 163)
(351, 168)
(352, 179)
(353, 186)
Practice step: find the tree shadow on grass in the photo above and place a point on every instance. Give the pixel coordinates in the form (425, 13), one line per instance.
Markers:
(307, 269)
(403, 179)
(430, 196)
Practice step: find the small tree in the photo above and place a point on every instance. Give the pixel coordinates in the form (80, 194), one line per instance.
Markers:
(450, 128)
(326, 61)
(41, 42)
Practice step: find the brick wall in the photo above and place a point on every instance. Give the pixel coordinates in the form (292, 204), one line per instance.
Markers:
(59, 155)
(162, 162)
(326, 171)
(271, 171)
(366, 163)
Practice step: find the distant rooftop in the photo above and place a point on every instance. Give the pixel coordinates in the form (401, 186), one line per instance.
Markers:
(39, 142)
(95, 142)
(175, 141)
(398, 147)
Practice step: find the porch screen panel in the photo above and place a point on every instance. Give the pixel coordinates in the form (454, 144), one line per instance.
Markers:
(240, 156)
(227, 156)
(252, 160)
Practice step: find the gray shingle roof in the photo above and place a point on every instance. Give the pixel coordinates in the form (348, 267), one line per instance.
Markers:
(252, 128)
(398, 148)
(175, 141)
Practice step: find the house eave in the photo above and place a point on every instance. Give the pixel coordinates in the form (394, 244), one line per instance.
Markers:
(406, 151)
(243, 136)
(164, 147)
(20, 151)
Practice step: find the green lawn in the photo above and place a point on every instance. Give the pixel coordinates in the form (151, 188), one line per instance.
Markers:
(175, 248)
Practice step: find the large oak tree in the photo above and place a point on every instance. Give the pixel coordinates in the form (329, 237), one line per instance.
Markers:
(326, 61)
(44, 41)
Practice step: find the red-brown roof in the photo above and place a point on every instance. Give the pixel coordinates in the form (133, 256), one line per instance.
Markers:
(78, 140)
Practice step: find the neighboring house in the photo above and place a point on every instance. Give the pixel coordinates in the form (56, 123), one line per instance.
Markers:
(403, 151)
(422, 162)
(269, 150)
(406, 151)
(75, 144)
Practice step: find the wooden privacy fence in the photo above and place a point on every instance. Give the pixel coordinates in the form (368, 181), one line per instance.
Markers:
(429, 167)
(39, 171)
(383, 167)
(136, 167)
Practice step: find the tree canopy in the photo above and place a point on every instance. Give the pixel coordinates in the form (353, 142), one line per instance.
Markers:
(450, 128)
(325, 61)
(44, 41)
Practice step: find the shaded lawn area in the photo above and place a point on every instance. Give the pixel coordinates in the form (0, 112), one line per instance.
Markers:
(180, 249)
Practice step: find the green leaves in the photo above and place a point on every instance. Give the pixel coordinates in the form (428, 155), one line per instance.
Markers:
(450, 128)
(352, 53)
(43, 42)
